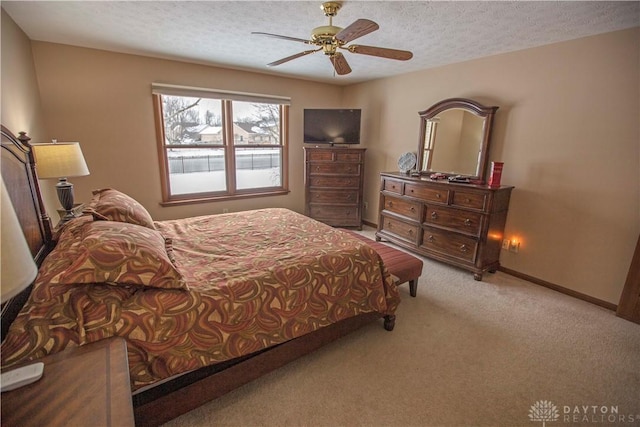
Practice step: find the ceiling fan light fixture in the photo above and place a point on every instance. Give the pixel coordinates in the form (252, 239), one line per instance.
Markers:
(324, 31)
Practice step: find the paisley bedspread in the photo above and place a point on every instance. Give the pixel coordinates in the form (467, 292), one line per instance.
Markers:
(255, 279)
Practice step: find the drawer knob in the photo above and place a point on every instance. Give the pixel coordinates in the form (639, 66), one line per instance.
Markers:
(318, 168)
(467, 200)
(434, 215)
(464, 248)
(412, 209)
(410, 232)
(438, 195)
(390, 204)
(467, 221)
(431, 239)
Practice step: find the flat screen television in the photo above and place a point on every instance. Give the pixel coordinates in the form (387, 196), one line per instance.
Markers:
(332, 126)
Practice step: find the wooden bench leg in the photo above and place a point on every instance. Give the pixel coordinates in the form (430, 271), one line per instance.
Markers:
(389, 322)
(413, 287)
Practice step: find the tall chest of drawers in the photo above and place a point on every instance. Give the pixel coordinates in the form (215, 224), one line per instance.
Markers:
(334, 178)
(460, 224)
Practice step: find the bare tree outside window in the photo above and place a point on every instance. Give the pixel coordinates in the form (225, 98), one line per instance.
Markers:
(180, 115)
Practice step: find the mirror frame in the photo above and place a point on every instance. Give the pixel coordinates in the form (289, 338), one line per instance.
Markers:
(467, 105)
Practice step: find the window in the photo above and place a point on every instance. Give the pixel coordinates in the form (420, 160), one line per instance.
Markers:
(217, 144)
(430, 140)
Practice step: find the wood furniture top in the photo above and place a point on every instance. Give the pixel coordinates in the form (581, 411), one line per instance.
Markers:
(334, 182)
(460, 224)
(88, 385)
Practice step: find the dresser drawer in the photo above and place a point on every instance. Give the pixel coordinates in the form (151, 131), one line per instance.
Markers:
(393, 186)
(450, 244)
(468, 199)
(340, 196)
(403, 207)
(464, 221)
(334, 213)
(334, 181)
(435, 195)
(400, 229)
(321, 155)
(335, 168)
(349, 156)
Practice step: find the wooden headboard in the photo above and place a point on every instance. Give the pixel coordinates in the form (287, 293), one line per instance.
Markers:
(20, 178)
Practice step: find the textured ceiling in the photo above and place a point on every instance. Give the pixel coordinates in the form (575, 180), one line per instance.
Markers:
(219, 32)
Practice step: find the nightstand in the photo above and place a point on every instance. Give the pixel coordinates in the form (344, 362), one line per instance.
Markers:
(77, 210)
(83, 386)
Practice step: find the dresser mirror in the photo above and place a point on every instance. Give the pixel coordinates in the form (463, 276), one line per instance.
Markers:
(454, 138)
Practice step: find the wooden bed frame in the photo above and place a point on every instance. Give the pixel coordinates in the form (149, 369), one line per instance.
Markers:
(166, 400)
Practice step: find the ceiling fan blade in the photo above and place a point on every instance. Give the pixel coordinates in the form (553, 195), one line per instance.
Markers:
(401, 55)
(289, 58)
(358, 29)
(340, 64)
(277, 36)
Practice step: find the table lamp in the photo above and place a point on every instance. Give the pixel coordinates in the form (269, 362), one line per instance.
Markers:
(17, 272)
(61, 160)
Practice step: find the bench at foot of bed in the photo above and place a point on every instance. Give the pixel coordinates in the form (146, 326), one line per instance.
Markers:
(402, 266)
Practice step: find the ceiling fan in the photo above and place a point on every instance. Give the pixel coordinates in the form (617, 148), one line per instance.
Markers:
(329, 38)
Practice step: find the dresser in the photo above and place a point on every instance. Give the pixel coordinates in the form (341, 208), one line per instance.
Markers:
(460, 224)
(334, 178)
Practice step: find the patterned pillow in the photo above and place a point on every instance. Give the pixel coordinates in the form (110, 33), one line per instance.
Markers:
(114, 253)
(113, 205)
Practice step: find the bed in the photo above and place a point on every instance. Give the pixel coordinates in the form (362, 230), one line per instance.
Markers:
(205, 304)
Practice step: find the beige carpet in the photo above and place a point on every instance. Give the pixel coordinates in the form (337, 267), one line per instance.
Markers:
(463, 353)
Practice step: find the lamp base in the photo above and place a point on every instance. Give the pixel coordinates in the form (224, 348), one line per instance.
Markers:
(66, 197)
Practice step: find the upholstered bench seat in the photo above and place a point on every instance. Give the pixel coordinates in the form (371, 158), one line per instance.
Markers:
(401, 265)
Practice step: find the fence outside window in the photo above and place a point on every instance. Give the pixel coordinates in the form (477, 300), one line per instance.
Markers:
(251, 160)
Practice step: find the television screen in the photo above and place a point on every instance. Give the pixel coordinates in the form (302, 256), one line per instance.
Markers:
(332, 126)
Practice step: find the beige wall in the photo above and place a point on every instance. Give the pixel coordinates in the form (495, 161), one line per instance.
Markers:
(103, 100)
(20, 96)
(568, 130)
(21, 109)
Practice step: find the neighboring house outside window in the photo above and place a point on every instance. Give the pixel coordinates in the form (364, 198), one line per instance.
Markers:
(218, 145)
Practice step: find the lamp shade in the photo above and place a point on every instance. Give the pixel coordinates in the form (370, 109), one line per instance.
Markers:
(60, 159)
(18, 267)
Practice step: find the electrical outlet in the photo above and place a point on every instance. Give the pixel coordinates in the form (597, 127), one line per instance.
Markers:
(366, 205)
(505, 244)
(514, 247)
